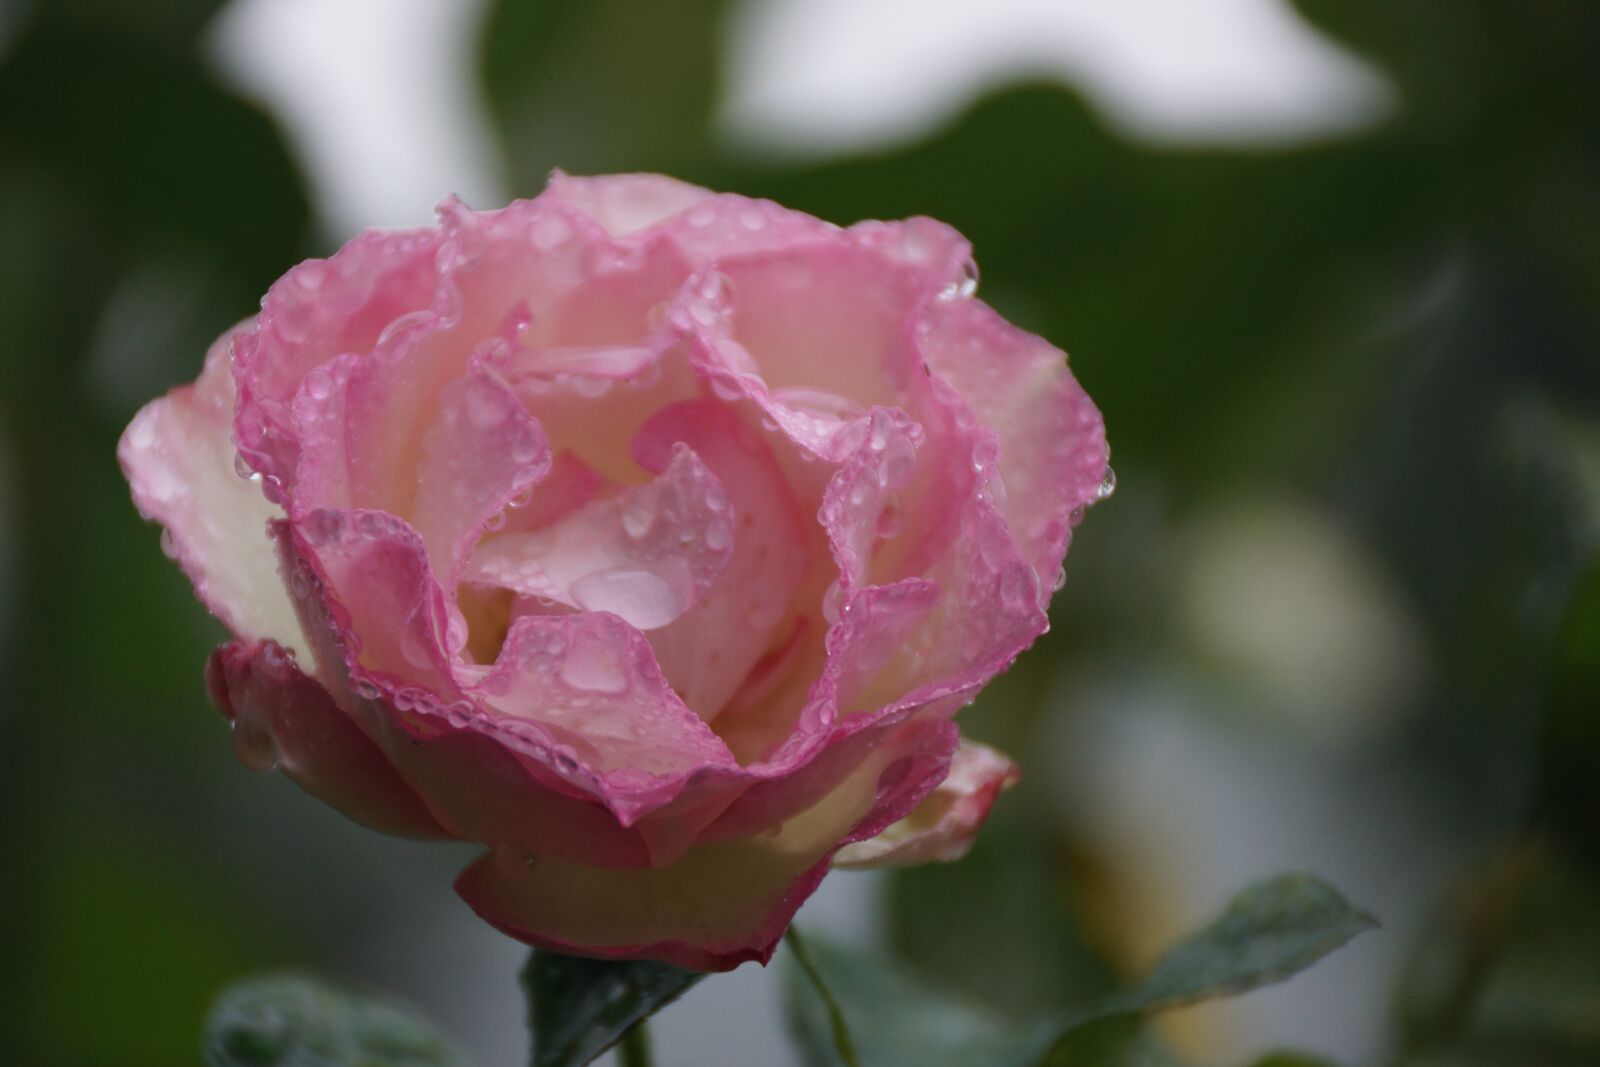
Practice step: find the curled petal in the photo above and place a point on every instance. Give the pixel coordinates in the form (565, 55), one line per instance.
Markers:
(1053, 453)
(943, 826)
(179, 460)
(285, 720)
(483, 451)
(707, 653)
(315, 312)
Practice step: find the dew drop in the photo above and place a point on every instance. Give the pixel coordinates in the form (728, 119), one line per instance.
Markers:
(591, 386)
(963, 287)
(719, 535)
(638, 515)
(549, 232)
(1107, 486)
(169, 546)
(254, 744)
(830, 603)
(640, 597)
(889, 521)
(592, 667)
(319, 384)
(484, 408)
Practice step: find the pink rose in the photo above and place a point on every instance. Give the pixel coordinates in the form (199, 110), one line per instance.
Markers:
(648, 537)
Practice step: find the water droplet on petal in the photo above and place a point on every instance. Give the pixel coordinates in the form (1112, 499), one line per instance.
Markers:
(484, 408)
(638, 515)
(830, 603)
(889, 521)
(1107, 486)
(596, 666)
(963, 287)
(640, 597)
(254, 744)
(319, 384)
(550, 231)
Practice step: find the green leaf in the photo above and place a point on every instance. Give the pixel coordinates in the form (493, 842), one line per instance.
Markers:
(579, 1007)
(293, 1020)
(1271, 930)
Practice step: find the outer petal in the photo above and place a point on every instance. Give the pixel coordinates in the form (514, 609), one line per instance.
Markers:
(720, 904)
(284, 719)
(1053, 451)
(944, 825)
(481, 779)
(179, 459)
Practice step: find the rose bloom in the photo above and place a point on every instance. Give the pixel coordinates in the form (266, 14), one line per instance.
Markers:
(648, 537)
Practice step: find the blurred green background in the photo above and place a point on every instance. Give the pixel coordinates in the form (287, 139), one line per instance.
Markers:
(1342, 614)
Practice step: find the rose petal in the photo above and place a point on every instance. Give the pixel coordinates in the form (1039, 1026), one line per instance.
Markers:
(568, 485)
(647, 555)
(317, 311)
(708, 651)
(392, 618)
(285, 720)
(178, 456)
(1053, 450)
(942, 827)
(591, 681)
(483, 451)
(723, 903)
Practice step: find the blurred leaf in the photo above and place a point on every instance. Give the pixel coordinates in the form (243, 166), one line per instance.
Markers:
(565, 80)
(1268, 932)
(291, 1020)
(578, 1008)
(1271, 930)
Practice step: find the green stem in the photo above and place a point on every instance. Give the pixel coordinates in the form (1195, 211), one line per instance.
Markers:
(842, 1042)
(634, 1048)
